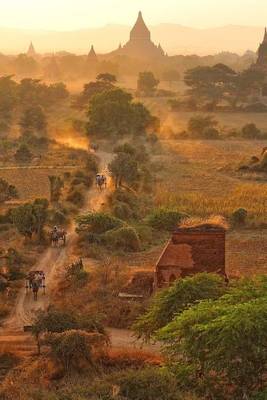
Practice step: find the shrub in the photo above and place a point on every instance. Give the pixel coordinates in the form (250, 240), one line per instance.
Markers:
(97, 223)
(57, 217)
(124, 238)
(211, 134)
(91, 164)
(23, 154)
(76, 197)
(3, 284)
(73, 346)
(122, 210)
(165, 219)
(239, 216)
(250, 131)
(148, 384)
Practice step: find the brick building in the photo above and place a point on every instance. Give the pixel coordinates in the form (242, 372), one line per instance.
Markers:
(192, 250)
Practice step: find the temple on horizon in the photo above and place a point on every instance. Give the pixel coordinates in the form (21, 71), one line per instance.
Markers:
(262, 53)
(140, 44)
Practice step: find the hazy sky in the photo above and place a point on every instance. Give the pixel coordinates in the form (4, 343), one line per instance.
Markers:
(75, 14)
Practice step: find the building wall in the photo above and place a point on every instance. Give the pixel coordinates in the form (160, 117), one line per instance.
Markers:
(207, 254)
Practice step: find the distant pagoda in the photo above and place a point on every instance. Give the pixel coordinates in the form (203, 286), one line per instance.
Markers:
(92, 57)
(262, 53)
(140, 44)
(31, 51)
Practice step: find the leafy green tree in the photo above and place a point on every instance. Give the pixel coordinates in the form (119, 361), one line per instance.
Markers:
(124, 169)
(56, 186)
(171, 76)
(30, 218)
(107, 78)
(198, 124)
(210, 83)
(97, 223)
(165, 219)
(25, 66)
(7, 191)
(113, 113)
(174, 300)
(33, 121)
(72, 346)
(57, 321)
(224, 339)
(23, 154)
(250, 131)
(147, 83)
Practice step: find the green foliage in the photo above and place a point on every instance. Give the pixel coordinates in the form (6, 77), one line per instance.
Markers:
(23, 154)
(76, 196)
(30, 218)
(198, 125)
(250, 131)
(124, 238)
(225, 338)
(113, 113)
(164, 219)
(122, 210)
(107, 78)
(97, 223)
(124, 169)
(173, 301)
(91, 164)
(148, 384)
(56, 186)
(239, 217)
(147, 83)
(7, 192)
(72, 346)
(33, 121)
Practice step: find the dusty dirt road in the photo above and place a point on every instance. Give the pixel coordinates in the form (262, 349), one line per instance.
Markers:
(52, 262)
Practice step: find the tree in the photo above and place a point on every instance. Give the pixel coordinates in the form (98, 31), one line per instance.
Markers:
(33, 121)
(224, 341)
(23, 154)
(174, 300)
(30, 218)
(250, 131)
(7, 191)
(56, 186)
(57, 321)
(198, 124)
(8, 102)
(72, 346)
(113, 113)
(124, 169)
(147, 83)
(107, 78)
(171, 76)
(210, 83)
(25, 66)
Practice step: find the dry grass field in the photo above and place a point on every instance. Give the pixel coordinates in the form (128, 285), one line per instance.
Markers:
(201, 178)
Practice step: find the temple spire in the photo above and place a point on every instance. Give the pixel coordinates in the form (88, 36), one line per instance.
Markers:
(140, 30)
(92, 54)
(31, 50)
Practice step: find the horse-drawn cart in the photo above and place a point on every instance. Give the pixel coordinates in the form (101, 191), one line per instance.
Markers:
(35, 280)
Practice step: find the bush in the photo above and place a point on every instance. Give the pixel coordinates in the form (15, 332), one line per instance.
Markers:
(76, 197)
(23, 154)
(250, 131)
(211, 134)
(239, 217)
(165, 219)
(57, 217)
(122, 210)
(73, 346)
(97, 223)
(124, 238)
(91, 164)
(148, 384)
(3, 284)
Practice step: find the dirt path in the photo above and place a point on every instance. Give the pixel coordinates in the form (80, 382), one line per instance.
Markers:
(53, 262)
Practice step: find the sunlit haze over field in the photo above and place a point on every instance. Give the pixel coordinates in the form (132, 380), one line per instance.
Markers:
(69, 14)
